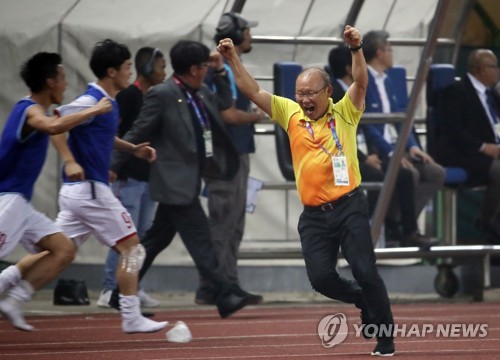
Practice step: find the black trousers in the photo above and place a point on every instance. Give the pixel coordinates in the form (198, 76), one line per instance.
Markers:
(370, 173)
(404, 193)
(192, 224)
(345, 226)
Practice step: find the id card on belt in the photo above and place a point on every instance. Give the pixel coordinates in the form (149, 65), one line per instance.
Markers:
(340, 173)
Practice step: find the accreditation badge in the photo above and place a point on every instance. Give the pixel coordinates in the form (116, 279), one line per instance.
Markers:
(209, 147)
(496, 129)
(340, 173)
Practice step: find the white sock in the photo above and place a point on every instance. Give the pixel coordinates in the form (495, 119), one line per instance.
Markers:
(22, 292)
(9, 277)
(132, 319)
(130, 306)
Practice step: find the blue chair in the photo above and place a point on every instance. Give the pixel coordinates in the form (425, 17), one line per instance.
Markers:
(285, 74)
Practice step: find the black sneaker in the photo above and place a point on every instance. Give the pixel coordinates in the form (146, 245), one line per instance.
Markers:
(230, 303)
(252, 299)
(419, 240)
(385, 347)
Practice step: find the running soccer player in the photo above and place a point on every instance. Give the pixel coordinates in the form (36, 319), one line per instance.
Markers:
(23, 148)
(87, 204)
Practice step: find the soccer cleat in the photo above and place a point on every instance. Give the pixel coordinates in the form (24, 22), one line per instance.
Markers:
(11, 311)
(146, 300)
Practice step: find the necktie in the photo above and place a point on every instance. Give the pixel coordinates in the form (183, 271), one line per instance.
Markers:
(491, 106)
(493, 112)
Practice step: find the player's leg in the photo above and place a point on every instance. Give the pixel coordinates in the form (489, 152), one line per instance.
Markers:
(61, 252)
(14, 220)
(132, 256)
(14, 273)
(110, 223)
(20, 222)
(38, 270)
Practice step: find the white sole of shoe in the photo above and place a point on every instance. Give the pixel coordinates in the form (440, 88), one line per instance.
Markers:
(379, 354)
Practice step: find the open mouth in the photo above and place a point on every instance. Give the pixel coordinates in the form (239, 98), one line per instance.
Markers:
(309, 109)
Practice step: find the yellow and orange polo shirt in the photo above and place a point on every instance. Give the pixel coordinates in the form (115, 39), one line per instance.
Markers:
(312, 166)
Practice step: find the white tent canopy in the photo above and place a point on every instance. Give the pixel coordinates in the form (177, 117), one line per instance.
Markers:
(73, 27)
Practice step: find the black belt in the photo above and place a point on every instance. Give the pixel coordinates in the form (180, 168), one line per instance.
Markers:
(92, 190)
(329, 206)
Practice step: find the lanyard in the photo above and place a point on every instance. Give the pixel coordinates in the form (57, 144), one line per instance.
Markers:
(331, 126)
(137, 85)
(202, 118)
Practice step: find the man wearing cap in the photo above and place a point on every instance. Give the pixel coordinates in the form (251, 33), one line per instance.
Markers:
(227, 199)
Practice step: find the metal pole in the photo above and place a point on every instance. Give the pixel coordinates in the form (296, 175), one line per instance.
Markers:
(353, 14)
(395, 163)
(238, 6)
(323, 40)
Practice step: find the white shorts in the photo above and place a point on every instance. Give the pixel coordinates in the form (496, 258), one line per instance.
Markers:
(104, 216)
(21, 223)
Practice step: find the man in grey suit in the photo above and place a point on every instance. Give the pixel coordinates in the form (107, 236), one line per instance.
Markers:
(181, 119)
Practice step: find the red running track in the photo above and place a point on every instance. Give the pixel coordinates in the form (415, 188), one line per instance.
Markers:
(265, 332)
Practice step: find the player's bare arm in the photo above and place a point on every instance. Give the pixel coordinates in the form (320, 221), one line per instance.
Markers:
(38, 120)
(72, 169)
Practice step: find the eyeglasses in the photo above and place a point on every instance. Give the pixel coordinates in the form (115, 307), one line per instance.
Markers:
(204, 64)
(491, 66)
(310, 94)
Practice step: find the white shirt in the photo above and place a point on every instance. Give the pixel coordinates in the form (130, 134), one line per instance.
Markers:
(390, 132)
(481, 93)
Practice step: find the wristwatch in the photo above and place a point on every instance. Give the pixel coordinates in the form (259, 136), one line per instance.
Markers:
(356, 48)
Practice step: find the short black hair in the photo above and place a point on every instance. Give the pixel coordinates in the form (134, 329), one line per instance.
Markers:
(372, 41)
(108, 54)
(338, 59)
(144, 59)
(186, 53)
(40, 67)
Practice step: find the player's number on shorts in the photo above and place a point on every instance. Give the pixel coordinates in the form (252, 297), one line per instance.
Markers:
(126, 218)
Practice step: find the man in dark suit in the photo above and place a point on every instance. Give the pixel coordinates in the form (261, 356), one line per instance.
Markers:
(470, 133)
(181, 119)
